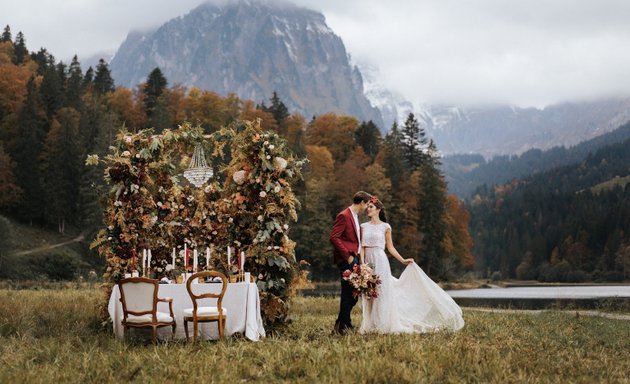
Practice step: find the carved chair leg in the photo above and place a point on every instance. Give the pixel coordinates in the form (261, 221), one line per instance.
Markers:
(195, 326)
(154, 334)
(186, 329)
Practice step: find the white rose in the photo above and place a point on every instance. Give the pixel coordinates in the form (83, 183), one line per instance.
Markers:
(263, 193)
(239, 177)
(126, 154)
(279, 163)
(271, 146)
(260, 218)
(276, 189)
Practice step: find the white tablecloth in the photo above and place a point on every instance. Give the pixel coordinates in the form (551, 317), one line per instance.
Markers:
(241, 301)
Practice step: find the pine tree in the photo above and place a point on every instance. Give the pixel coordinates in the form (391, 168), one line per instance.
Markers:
(52, 88)
(9, 190)
(368, 137)
(153, 89)
(88, 79)
(390, 157)
(74, 85)
(26, 152)
(414, 142)
(6, 35)
(278, 109)
(431, 196)
(103, 82)
(60, 164)
(19, 49)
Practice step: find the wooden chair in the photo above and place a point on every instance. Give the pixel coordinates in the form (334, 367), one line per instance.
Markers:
(138, 296)
(203, 314)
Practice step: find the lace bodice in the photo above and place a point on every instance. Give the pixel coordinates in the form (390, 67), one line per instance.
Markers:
(373, 235)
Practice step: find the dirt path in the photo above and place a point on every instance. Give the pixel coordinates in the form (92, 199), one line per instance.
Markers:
(616, 316)
(50, 246)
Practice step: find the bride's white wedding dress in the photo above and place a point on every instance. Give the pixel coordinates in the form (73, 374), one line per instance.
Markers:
(412, 303)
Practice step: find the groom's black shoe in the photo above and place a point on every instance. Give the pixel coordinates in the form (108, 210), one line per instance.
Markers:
(337, 328)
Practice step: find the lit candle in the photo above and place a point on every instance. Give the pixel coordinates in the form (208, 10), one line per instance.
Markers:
(173, 257)
(149, 260)
(195, 259)
(185, 257)
(144, 261)
(242, 260)
(229, 257)
(207, 257)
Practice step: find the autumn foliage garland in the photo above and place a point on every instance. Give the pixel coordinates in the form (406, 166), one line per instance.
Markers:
(247, 205)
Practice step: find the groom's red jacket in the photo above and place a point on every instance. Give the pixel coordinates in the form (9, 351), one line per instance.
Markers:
(343, 237)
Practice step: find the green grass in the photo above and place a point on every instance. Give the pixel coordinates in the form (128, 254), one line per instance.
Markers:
(64, 343)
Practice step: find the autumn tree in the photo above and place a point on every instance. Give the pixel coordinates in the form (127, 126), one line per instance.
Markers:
(314, 223)
(349, 178)
(333, 132)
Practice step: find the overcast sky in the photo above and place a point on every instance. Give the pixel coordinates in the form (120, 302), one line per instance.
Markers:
(522, 52)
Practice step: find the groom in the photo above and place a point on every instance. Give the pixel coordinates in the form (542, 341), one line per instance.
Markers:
(345, 238)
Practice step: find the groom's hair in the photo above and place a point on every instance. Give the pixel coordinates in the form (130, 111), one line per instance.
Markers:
(360, 197)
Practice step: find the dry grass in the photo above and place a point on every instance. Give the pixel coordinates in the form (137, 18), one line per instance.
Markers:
(64, 344)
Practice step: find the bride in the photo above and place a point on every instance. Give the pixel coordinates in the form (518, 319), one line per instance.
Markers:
(412, 303)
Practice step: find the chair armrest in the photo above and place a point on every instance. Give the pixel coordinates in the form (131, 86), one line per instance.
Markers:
(170, 304)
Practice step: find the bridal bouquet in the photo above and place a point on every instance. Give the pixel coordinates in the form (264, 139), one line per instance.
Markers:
(363, 280)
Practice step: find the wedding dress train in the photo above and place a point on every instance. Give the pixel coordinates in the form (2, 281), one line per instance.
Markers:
(411, 303)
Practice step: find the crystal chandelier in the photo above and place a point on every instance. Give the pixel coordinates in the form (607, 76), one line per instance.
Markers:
(198, 171)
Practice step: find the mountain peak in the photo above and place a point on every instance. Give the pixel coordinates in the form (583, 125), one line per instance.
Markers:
(251, 48)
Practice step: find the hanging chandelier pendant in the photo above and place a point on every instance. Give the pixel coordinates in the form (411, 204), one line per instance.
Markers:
(198, 171)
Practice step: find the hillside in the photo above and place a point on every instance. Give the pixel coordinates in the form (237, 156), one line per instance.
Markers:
(30, 252)
(558, 225)
(465, 173)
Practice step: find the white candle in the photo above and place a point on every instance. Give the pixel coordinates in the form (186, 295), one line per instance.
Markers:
(185, 257)
(207, 257)
(149, 257)
(144, 261)
(195, 259)
(229, 257)
(242, 260)
(173, 257)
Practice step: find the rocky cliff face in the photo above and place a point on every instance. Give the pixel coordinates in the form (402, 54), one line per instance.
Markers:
(252, 49)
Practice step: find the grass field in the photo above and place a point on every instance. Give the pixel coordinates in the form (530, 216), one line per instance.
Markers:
(55, 336)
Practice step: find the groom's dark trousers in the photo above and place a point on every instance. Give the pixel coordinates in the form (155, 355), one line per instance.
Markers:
(344, 237)
(347, 302)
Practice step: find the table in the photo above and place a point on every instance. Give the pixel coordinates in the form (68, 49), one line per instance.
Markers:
(241, 301)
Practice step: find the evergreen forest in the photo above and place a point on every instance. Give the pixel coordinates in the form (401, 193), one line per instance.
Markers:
(53, 114)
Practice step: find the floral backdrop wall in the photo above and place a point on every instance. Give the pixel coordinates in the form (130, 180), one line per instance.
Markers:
(248, 205)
